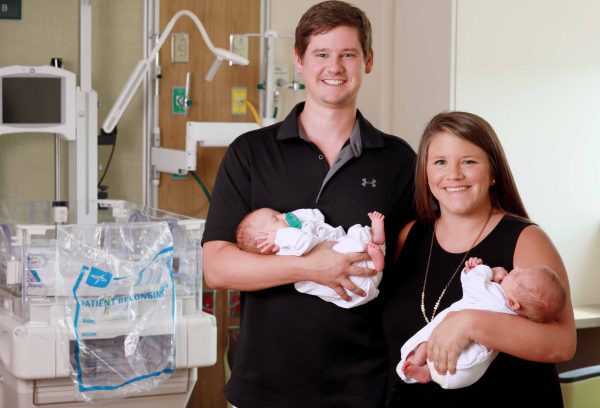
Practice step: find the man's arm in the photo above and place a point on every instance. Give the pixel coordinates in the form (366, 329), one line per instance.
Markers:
(226, 266)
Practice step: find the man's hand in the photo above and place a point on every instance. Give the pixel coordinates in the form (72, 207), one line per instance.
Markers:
(333, 269)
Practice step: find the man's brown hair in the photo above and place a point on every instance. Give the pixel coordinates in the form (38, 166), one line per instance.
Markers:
(325, 16)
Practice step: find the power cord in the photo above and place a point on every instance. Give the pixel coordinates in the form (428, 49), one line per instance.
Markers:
(201, 184)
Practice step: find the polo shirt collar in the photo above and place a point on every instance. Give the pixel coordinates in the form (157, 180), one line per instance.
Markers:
(369, 137)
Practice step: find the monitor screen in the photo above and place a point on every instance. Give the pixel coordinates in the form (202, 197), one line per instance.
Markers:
(31, 100)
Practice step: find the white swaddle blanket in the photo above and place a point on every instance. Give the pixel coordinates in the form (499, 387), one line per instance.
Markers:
(479, 292)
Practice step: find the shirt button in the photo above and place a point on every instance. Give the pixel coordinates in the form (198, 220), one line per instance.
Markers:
(320, 157)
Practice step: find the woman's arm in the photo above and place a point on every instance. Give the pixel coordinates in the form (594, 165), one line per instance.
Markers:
(226, 266)
(543, 342)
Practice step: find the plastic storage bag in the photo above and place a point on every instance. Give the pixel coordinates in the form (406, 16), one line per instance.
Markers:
(121, 312)
(185, 253)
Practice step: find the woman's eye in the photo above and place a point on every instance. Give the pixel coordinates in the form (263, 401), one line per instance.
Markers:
(439, 162)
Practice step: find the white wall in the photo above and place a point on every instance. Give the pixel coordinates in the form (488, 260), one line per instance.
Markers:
(422, 72)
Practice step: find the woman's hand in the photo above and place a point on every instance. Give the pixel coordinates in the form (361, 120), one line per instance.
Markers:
(447, 341)
(333, 269)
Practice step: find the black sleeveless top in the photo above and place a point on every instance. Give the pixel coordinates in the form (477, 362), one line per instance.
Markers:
(509, 381)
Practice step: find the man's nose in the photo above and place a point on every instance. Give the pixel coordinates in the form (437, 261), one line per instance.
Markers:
(335, 64)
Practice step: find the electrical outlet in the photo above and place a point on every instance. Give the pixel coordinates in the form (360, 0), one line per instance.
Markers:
(239, 95)
(180, 45)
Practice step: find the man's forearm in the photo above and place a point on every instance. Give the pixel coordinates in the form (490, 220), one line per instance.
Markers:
(225, 266)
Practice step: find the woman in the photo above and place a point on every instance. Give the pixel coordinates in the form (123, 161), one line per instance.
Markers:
(468, 205)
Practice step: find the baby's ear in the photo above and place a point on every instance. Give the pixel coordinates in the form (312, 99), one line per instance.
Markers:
(513, 304)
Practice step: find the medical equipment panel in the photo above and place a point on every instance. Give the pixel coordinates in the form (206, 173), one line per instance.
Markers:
(38, 347)
(38, 99)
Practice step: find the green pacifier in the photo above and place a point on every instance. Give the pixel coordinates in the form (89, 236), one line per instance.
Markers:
(293, 221)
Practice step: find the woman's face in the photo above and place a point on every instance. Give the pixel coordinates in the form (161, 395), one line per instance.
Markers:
(458, 175)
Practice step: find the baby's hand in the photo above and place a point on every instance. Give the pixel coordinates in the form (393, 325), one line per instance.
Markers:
(472, 262)
(498, 274)
(266, 243)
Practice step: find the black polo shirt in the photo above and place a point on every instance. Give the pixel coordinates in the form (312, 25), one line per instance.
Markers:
(297, 350)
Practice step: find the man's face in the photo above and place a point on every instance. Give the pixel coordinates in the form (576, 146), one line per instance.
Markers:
(333, 66)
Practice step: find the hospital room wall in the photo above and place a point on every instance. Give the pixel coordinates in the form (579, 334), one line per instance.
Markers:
(49, 29)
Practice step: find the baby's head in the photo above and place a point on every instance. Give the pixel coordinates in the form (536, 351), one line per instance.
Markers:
(258, 222)
(535, 292)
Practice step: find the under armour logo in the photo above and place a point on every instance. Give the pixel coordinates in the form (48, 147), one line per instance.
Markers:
(371, 183)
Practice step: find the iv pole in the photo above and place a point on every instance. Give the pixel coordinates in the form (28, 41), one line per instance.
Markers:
(83, 153)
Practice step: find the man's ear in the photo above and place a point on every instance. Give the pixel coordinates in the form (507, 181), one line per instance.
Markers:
(369, 63)
(513, 304)
(298, 62)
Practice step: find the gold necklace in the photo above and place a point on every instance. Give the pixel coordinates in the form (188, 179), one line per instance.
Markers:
(437, 303)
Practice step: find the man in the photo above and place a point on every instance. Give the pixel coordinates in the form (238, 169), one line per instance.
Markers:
(296, 350)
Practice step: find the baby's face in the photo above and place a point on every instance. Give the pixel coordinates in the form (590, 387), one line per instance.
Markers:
(512, 283)
(271, 220)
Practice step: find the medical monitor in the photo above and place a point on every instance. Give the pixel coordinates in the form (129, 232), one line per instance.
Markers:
(37, 99)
